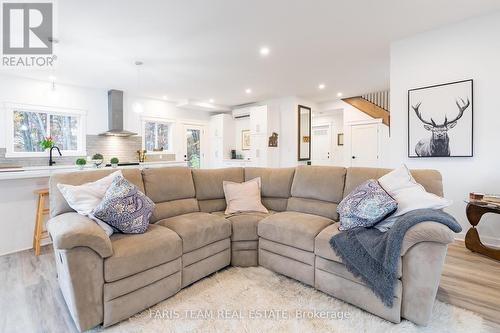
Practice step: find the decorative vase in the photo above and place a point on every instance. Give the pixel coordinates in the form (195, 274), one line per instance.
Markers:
(114, 165)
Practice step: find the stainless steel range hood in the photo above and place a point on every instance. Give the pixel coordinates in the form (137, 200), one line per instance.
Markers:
(115, 115)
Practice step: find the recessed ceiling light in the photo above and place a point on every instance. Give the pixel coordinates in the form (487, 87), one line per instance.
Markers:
(52, 78)
(164, 97)
(211, 100)
(321, 86)
(339, 94)
(248, 91)
(264, 51)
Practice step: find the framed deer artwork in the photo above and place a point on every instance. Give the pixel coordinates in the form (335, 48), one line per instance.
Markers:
(440, 120)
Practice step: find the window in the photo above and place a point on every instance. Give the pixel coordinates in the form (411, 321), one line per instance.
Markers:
(30, 125)
(157, 136)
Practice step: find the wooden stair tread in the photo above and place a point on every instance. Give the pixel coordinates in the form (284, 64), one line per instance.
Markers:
(369, 108)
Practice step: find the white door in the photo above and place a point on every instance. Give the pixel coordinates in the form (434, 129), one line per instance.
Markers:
(364, 145)
(194, 146)
(321, 145)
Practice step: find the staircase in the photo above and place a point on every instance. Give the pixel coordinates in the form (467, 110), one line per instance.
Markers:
(376, 105)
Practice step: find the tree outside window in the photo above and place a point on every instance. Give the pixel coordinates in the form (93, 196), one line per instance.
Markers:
(157, 136)
(30, 127)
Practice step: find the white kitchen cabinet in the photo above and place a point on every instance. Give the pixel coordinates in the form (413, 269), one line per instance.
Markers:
(259, 120)
(221, 138)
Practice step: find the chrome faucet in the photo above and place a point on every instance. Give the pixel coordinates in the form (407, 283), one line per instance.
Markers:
(51, 162)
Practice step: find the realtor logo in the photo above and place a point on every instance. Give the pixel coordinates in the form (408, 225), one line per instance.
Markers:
(27, 31)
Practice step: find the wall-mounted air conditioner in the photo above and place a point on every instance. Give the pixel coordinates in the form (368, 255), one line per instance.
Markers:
(241, 113)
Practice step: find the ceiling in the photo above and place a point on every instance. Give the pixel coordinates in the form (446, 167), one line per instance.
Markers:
(202, 49)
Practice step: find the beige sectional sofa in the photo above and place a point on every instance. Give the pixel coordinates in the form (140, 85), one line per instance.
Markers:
(107, 279)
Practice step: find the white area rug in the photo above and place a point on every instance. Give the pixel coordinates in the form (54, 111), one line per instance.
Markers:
(257, 300)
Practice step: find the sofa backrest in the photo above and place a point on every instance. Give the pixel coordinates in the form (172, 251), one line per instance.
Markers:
(276, 185)
(208, 185)
(317, 190)
(59, 205)
(431, 180)
(172, 190)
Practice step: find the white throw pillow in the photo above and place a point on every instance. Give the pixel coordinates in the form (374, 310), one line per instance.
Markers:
(243, 197)
(409, 194)
(84, 198)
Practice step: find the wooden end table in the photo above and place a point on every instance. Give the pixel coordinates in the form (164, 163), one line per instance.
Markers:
(475, 210)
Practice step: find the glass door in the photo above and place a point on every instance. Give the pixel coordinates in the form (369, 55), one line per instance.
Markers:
(193, 153)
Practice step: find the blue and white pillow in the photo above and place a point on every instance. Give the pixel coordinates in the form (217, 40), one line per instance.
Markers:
(365, 206)
(125, 208)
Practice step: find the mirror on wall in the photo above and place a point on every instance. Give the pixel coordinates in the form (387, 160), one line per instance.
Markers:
(304, 133)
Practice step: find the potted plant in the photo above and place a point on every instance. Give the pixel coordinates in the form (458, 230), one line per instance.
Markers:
(81, 163)
(97, 159)
(114, 162)
(46, 143)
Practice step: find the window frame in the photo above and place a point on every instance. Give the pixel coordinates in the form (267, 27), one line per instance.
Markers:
(171, 126)
(49, 110)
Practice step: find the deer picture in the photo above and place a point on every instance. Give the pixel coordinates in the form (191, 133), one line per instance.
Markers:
(439, 142)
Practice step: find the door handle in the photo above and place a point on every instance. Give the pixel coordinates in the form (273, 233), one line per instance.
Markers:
(353, 157)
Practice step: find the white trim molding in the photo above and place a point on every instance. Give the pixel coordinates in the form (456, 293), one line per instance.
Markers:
(9, 109)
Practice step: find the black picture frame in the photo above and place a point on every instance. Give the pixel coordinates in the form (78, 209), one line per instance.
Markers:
(410, 111)
(301, 136)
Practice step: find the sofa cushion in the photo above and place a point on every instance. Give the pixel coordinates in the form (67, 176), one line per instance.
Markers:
(325, 183)
(164, 210)
(208, 182)
(168, 183)
(244, 225)
(313, 206)
(275, 182)
(323, 249)
(293, 228)
(431, 180)
(198, 229)
(134, 253)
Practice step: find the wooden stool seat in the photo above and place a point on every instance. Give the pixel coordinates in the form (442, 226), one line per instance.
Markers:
(41, 211)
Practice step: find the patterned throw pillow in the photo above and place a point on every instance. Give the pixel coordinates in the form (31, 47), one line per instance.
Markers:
(365, 206)
(125, 208)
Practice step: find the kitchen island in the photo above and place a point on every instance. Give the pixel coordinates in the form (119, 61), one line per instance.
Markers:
(18, 201)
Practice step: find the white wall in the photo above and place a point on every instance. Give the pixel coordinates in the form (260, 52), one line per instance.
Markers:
(467, 50)
(95, 102)
(350, 115)
(284, 121)
(241, 124)
(336, 121)
(17, 201)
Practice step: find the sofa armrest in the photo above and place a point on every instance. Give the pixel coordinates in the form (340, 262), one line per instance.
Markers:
(426, 232)
(72, 230)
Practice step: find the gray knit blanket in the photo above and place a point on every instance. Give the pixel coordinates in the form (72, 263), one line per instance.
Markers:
(373, 256)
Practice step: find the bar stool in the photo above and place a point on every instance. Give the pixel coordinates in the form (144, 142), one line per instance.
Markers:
(38, 233)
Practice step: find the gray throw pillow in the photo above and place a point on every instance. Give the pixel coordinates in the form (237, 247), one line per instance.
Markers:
(125, 208)
(365, 206)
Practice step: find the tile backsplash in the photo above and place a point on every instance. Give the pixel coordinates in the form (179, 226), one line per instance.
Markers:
(124, 148)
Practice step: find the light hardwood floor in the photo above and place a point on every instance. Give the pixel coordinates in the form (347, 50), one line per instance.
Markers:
(30, 299)
(472, 281)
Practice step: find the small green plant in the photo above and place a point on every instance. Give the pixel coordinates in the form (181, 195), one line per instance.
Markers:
(81, 162)
(97, 157)
(115, 160)
(46, 142)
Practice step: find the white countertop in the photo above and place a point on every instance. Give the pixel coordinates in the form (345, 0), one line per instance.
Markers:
(46, 171)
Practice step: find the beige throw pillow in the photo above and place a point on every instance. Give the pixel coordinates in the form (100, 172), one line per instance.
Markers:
(243, 197)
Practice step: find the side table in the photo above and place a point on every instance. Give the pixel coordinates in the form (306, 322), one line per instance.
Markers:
(475, 210)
